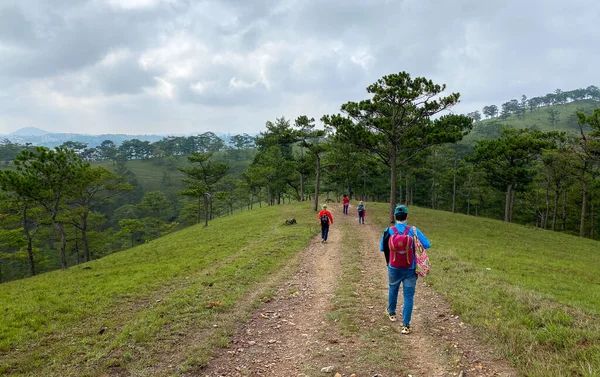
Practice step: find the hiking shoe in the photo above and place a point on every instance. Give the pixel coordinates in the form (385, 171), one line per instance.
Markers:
(392, 317)
(406, 330)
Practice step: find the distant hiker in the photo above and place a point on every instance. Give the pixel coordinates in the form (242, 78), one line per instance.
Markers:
(326, 219)
(361, 212)
(346, 203)
(401, 265)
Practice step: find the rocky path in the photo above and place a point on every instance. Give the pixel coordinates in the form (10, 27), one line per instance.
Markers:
(291, 336)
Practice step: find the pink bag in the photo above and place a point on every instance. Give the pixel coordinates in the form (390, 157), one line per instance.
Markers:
(423, 264)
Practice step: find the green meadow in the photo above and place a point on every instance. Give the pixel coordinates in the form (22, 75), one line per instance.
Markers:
(539, 118)
(532, 294)
(116, 312)
(152, 173)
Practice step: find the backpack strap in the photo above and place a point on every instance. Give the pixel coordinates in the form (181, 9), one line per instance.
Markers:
(405, 233)
(395, 232)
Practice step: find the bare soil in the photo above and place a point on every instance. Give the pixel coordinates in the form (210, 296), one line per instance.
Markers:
(291, 334)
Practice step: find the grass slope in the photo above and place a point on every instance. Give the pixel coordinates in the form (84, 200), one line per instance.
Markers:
(534, 294)
(538, 118)
(150, 173)
(146, 298)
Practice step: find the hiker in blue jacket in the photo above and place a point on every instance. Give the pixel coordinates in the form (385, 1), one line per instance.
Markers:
(407, 276)
(361, 212)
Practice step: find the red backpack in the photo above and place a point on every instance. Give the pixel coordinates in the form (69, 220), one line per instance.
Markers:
(401, 248)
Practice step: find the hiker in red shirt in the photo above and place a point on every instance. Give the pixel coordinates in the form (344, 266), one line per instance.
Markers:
(326, 219)
(346, 203)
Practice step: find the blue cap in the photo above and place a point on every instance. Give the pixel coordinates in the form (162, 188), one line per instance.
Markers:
(401, 209)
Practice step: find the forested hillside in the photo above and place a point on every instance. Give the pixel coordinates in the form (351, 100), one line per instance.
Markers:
(536, 163)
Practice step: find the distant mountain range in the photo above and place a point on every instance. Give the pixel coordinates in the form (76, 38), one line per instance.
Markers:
(37, 136)
(29, 131)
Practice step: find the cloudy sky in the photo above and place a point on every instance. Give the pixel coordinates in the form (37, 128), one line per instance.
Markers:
(187, 66)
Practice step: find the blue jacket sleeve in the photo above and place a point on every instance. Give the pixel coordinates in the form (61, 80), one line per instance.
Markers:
(381, 241)
(424, 241)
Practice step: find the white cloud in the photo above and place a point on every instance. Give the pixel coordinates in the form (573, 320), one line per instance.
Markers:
(134, 4)
(236, 83)
(177, 56)
(200, 87)
(363, 58)
(115, 57)
(162, 89)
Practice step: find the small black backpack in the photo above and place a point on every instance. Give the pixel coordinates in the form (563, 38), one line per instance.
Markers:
(325, 219)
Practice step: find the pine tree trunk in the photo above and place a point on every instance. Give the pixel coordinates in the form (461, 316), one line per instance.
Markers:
(512, 204)
(317, 183)
(507, 203)
(86, 247)
(407, 189)
(583, 208)
(84, 240)
(400, 193)
(564, 212)
(78, 259)
(30, 259)
(556, 194)
(30, 256)
(538, 216)
(583, 198)
(198, 212)
(591, 219)
(547, 214)
(433, 192)
(393, 183)
(205, 210)
(454, 187)
(63, 244)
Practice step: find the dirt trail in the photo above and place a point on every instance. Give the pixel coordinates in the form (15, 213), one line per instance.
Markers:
(283, 334)
(286, 335)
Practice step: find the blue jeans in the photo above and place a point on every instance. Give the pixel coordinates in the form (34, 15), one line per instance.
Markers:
(408, 278)
(324, 231)
(346, 209)
(361, 218)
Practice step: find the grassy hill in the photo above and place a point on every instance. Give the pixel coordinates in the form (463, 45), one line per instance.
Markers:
(151, 173)
(120, 309)
(539, 118)
(533, 294)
